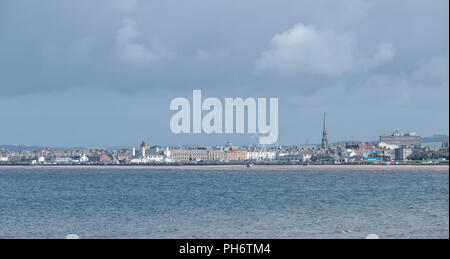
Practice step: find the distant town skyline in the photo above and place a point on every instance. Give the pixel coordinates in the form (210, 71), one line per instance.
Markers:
(398, 148)
(103, 73)
(435, 139)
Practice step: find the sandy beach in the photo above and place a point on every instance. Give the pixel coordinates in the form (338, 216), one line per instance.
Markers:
(242, 167)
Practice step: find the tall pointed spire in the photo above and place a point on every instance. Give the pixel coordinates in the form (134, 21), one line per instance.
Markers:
(324, 134)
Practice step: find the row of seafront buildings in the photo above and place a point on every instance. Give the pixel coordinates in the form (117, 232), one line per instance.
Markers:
(156, 154)
(396, 146)
(146, 154)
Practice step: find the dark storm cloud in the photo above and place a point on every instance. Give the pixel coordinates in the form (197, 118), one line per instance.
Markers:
(132, 45)
(313, 55)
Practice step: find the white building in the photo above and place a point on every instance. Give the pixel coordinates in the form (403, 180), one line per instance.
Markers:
(84, 159)
(305, 156)
(260, 155)
(350, 153)
(63, 160)
(150, 157)
(154, 156)
(402, 153)
(143, 149)
(167, 155)
(388, 146)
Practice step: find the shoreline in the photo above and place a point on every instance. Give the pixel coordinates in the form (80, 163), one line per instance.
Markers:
(238, 167)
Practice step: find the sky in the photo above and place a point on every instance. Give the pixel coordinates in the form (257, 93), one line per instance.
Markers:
(102, 73)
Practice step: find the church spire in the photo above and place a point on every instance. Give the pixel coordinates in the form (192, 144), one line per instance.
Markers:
(324, 134)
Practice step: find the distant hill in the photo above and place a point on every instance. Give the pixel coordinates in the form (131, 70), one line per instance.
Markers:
(19, 148)
(434, 139)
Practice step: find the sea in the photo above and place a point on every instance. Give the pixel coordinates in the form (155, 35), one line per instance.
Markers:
(153, 203)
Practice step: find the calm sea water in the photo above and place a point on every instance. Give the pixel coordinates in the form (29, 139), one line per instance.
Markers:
(149, 203)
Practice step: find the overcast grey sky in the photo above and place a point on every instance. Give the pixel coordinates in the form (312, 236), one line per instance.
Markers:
(103, 72)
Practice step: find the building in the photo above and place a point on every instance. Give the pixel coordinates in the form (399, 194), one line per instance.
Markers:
(185, 155)
(236, 154)
(63, 160)
(305, 156)
(388, 153)
(84, 159)
(256, 154)
(104, 159)
(216, 155)
(398, 139)
(362, 145)
(150, 157)
(387, 146)
(445, 143)
(403, 152)
(351, 145)
(154, 156)
(144, 147)
(148, 154)
(167, 154)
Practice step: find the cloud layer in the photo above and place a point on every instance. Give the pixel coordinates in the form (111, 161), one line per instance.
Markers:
(306, 49)
(99, 60)
(132, 49)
